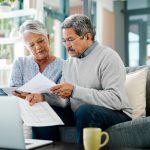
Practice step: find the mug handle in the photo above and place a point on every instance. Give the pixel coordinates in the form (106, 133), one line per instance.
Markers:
(106, 140)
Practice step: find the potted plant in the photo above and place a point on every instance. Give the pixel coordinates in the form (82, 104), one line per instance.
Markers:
(5, 5)
(1, 1)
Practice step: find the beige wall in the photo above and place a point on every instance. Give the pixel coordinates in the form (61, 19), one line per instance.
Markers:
(76, 10)
(105, 23)
(108, 32)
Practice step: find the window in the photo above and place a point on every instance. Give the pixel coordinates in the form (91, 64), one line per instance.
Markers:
(11, 46)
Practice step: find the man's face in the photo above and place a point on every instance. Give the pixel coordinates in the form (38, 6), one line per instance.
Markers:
(75, 44)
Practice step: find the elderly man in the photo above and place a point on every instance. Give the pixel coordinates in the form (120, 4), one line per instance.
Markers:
(92, 81)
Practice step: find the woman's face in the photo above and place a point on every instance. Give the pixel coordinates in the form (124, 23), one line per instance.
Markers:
(37, 44)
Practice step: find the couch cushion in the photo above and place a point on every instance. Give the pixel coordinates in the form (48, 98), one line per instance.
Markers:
(135, 133)
(135, 86)
(132, 69)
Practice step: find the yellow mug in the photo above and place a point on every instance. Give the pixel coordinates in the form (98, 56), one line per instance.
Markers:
(92, 138)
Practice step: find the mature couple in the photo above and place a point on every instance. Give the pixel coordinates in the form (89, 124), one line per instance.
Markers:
(91, 80)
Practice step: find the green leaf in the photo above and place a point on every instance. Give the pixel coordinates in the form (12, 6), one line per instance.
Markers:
(12, 0)
(1, 1)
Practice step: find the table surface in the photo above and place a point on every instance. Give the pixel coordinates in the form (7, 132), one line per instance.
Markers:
(70, 146)
(61, 146)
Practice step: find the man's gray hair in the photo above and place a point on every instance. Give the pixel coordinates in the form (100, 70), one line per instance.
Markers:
(33, 26)
(80, 23)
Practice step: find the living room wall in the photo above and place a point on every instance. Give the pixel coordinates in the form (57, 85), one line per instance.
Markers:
(108, 28)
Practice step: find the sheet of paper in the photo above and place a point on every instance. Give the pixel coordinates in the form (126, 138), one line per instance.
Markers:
(38, 84)
(8, 90)
(40, 114)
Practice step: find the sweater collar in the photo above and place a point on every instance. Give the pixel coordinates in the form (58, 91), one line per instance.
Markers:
(89, 50)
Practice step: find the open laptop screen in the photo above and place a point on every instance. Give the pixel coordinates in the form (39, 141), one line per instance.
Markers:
(11, 129)
(2, 93)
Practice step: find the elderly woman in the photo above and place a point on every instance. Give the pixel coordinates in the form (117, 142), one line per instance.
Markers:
(36, 40)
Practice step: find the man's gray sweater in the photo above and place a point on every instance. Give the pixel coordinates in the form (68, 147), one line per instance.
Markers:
(98, 79)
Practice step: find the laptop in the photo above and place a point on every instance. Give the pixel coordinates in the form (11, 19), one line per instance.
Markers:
(11, 128)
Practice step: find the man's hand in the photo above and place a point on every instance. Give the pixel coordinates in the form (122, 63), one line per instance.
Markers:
(34, 98)
(63, 90)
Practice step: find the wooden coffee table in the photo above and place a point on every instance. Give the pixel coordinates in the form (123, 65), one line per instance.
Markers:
(61, 146)
(71, 146)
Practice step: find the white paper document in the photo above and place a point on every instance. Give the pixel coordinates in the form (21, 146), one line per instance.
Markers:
(38, 84)
(8, 90)
(40, 114)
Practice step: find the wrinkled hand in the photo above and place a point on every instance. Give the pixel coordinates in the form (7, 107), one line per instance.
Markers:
(63, 90)
(34, 98)
(21, 95)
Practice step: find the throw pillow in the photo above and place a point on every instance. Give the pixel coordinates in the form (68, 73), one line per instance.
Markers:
(135, 87)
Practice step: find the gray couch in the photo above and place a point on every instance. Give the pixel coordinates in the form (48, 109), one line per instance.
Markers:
(135, 133)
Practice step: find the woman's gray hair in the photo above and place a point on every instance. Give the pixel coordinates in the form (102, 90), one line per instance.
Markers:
(80, 23)
(33, 26)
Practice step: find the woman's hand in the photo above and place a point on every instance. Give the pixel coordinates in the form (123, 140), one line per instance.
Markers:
(20, 94)
(63, 90)
(31, 98)
(34, 98)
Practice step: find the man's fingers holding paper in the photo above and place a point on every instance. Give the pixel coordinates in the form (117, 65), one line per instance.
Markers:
(63, 90)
